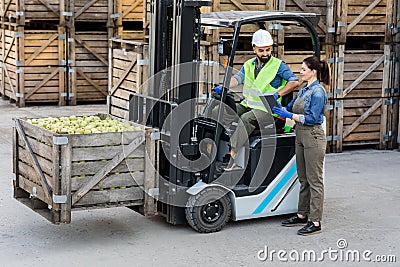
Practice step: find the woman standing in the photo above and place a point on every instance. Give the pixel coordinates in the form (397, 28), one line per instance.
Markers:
(307, 109)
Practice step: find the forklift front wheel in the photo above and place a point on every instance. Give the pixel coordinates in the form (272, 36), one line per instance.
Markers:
(209, 210)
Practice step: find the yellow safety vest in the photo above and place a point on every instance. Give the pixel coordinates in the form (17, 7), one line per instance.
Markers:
(253, 88)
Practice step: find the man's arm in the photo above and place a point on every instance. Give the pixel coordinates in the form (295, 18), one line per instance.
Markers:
(289, 87)
(288, 75)
(238, 78)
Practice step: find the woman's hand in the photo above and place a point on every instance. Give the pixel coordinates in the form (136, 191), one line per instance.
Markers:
(283, 113)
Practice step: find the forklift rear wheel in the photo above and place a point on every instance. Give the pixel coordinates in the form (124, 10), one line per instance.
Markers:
(209, 210)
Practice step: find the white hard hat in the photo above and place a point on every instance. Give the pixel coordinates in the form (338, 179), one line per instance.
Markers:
(262, 38)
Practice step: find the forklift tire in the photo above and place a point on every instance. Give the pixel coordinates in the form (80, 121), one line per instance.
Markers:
(209, 210)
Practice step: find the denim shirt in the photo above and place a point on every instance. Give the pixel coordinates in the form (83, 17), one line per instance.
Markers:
(284, 73)
(314, 104)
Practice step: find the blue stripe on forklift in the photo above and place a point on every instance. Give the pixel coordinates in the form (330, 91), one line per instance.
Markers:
(276, 190)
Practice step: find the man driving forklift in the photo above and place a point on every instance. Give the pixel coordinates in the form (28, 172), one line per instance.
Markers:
(262, 74)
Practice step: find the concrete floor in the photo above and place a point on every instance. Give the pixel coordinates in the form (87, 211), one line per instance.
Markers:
(362, 204)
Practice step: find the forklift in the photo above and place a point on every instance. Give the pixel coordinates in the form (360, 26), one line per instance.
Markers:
(192, 186)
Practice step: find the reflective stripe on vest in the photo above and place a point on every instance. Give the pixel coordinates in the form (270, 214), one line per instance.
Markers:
(253, 88)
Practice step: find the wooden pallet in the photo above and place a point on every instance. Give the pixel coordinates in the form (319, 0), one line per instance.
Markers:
(88, 56)
(365, 18)
(31, 65)
(128, 72)
(59, 173)
(362, 101)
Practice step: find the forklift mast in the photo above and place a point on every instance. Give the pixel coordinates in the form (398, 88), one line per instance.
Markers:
(174, 46)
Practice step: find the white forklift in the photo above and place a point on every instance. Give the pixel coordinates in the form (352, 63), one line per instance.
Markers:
(192, 186)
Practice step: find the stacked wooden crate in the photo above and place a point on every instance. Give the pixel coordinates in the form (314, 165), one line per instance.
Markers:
(32, 51)
(128, 54)
(132, 19)
(55, 51)
(364, 100)
(89, 31)
(127, 74)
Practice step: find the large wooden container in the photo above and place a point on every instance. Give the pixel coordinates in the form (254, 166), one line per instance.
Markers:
(132, 19)
(365, 18)
(128, 72)
(32, 65)
(59, 173)
(363, 99)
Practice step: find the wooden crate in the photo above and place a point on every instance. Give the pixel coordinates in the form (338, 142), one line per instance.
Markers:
(128, 72)
(322, 7)
(132, 20)
(133, 35)
(362, 100)
(32, 65)
(88, 55)
(94, 10)
(20, 11)
(59, 173)
(365, 18)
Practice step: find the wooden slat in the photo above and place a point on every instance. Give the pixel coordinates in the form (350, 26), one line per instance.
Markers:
(112, 180)
(361, 137)
(150, 207)
(107, 168)
(65, 173)
(92, 167)
(9, 80)
(110, 196)
(384, 108)
(103, 153)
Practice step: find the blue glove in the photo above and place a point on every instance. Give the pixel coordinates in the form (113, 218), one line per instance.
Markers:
(283, 113)
(278, 99)
(218, 89)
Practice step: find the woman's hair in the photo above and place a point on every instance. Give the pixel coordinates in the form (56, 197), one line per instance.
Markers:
(314, 63)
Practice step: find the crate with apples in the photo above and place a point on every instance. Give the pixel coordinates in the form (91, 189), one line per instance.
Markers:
(62, 164)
